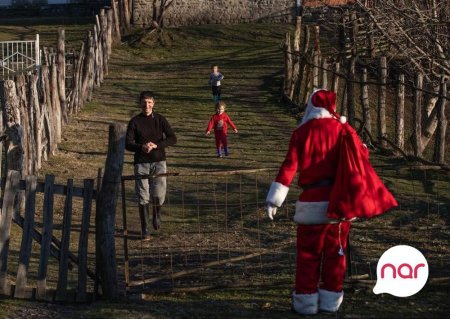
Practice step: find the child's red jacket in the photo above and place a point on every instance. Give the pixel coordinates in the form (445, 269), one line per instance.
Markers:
(219, 123)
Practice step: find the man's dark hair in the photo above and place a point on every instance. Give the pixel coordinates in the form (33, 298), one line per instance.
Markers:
(214, 65)
(146, 95)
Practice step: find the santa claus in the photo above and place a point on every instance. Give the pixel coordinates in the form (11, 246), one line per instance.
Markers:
(339, 185)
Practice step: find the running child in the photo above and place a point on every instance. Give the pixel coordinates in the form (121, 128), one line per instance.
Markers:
(219, 122)
(215, 79)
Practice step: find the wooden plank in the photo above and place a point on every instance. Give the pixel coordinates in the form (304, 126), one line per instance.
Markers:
(61, 290)
(83, 241)
(27, 237)
(47, 230)
(12, 187)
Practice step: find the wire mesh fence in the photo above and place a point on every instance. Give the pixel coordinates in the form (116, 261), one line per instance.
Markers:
(215, 232)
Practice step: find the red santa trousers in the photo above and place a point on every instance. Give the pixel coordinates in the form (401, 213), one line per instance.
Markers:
(221, 139)
(319, 257)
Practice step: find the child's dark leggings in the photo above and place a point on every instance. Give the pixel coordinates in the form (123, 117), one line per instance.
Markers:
(221, 140)
(216, 91)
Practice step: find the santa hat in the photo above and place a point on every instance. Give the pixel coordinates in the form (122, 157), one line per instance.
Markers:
(322, 104)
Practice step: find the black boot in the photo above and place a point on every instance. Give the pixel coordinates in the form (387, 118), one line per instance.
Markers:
(144, 214)
(156, 215)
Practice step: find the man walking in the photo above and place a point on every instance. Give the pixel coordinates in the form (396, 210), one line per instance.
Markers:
(148, 134)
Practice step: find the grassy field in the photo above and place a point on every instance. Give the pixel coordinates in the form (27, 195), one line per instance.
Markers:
(250, 58)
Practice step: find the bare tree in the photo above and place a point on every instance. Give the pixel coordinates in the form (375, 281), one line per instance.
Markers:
(155, 29)
(418, 32)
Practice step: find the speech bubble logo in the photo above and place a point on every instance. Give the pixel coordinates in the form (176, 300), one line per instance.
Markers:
(402, 271)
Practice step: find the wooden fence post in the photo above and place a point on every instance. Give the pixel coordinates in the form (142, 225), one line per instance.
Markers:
(439, 145)
(335, 77)
(350, 91)
(37, 120)
(109, 37)
(324, 73)
(106, 211)
(56, 106)
(400, 113)
(417, 116)
(365, 101)
(62, 74)
(88, 191)
(116, 23)
(104, 42)
(296, 58)
(381, 119)
(287, 64)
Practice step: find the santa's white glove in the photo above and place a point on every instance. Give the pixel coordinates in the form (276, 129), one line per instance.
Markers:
(271, 210)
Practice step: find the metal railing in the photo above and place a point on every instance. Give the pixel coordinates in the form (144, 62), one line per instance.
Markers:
(17, 57)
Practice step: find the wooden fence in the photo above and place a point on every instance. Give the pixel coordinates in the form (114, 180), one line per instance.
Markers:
(34, 110)
(364, 69)
(50, 246)
(25, 191)
(37, 106)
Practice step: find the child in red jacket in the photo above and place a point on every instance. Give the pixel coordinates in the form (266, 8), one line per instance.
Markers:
(219, 122)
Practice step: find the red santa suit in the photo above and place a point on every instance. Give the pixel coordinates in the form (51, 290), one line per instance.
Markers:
(220, 124)
(337, 179)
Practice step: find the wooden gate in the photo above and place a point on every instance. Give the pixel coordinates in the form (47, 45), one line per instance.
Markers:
(17, 282)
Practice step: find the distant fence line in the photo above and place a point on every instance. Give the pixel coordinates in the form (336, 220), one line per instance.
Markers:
(36, 106)
(306, 68)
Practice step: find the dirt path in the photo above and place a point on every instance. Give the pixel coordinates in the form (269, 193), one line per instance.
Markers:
(251, 62)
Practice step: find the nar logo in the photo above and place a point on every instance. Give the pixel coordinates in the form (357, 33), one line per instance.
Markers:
(402, 271)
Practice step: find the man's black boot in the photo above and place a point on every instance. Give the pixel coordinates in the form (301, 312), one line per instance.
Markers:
(144, 214)
(156, 216)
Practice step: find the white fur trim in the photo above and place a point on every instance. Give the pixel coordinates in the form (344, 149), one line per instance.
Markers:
(343, 119)
(330, 300)
(305, 304)
(311, 213)
(277, 194)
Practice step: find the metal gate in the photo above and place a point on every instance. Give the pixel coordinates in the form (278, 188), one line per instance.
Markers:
(17, 57)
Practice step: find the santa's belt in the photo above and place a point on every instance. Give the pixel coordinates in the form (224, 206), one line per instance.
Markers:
(322, 183)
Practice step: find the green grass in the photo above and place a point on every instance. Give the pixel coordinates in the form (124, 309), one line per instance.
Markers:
(251, 61)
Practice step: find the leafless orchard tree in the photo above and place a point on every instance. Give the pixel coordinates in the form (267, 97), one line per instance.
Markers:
(418, 31)
(156, 25)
